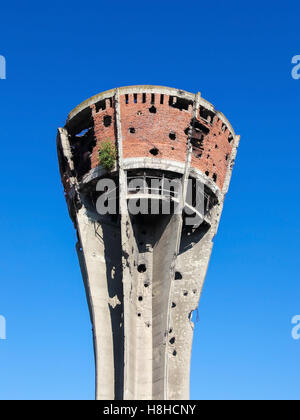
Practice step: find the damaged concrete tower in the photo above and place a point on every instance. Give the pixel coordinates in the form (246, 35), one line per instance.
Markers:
(144, 271)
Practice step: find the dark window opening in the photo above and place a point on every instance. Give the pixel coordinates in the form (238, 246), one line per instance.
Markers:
(198, 127)
(126, 99)
(135, 98)
(100, 105)
(139, 315)
(107, 120)
(144, 98)
(206, 173)
(162, 99)
(214, 177)
(152, 98)
(207, 115)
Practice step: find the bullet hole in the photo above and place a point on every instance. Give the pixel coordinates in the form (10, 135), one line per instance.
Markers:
(148, 324)
(142, 268)
(208, 156)
(139, 315)
(230, 138)
(178, 275)
(226, 157)
(194, 291)
(146, 285)
(154, 151)
(152, 110)
(172, 148)
(174, 353)
(172, 340)
(185, 293)
(139, 113)
(207, 173)
(170, 330)
(172, 135)
(132, 130)
(140, 298)
(216, 146)
(215, 177)
(107, 120)
(173, 305)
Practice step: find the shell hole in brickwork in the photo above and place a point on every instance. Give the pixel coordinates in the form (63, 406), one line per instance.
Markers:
(172, 340)
(142, 268)
(152, 110)
(214, 177)
(178, 275)
(172, 135)
(173, 305)
(107, 120)
(100, 105)
(132, 130)
(154, 151)
(207, 115)
(206, 173)
(140, 298)
(230, 138)
(139, 314)
(226, 157)
(216, 146)
(180, 103)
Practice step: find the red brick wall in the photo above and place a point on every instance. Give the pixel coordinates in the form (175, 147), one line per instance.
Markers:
(103, 133)
(152, 130)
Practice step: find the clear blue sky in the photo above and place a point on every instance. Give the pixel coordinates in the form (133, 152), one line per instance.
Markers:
(238, 54)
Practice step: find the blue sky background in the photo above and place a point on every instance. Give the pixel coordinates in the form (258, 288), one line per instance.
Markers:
(238, 55)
